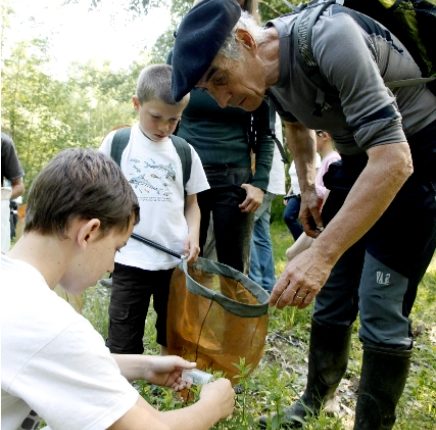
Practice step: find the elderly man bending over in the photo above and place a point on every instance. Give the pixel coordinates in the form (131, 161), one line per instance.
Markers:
(360, 261)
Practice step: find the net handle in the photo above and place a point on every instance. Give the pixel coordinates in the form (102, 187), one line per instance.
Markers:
(156, 245)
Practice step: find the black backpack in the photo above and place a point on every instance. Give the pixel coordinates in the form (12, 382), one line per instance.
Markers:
(121, 139)
(257, 117)
(412, 21)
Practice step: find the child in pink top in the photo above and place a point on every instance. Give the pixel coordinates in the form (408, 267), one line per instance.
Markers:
(325, 148)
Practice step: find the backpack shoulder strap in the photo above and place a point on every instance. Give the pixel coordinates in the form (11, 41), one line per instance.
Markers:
(184, 151)
(119, 143)
(302, 33)
(272, 130)
(302, 39)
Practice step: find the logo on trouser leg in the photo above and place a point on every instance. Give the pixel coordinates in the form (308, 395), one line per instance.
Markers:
(383, 278)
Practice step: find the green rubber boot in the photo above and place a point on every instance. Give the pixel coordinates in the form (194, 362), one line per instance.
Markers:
(383, 377)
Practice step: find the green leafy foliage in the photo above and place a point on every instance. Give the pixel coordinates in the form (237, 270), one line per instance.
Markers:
(44, 115)
(267, 9)
(270, 9)
(28, 98)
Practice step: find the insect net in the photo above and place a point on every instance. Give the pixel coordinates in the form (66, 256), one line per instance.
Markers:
(216, 316)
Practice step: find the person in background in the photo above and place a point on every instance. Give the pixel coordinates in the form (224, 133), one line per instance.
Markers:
(325, 148)
(13, 173)
(81, 211)
(224, 139)
(262, 266)
(359, 263)
(153, 166)
(292, 201)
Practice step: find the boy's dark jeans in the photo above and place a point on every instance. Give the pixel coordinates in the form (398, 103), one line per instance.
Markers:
(131, 292)
(290, 216)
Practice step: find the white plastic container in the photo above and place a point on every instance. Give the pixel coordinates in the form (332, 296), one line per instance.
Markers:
(5, 219)
(197, 376)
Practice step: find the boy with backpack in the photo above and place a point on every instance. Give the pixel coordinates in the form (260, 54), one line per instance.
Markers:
(166, 174)
(80, 212)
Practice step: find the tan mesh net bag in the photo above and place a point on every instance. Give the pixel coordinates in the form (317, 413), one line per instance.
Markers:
(216, 315)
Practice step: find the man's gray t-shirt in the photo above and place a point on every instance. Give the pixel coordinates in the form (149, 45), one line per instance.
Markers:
(355, 64)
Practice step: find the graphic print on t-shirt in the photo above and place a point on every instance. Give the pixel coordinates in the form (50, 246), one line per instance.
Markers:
(152, 181)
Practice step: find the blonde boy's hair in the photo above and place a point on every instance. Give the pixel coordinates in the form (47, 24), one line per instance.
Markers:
(154, 82)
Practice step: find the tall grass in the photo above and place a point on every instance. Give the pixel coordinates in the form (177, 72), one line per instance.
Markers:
(280, 377)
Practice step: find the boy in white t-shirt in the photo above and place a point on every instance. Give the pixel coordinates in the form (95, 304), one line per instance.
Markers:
(80, 212)
(169, 210)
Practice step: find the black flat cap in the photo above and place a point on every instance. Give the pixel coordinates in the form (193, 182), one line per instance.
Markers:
(200, 36)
